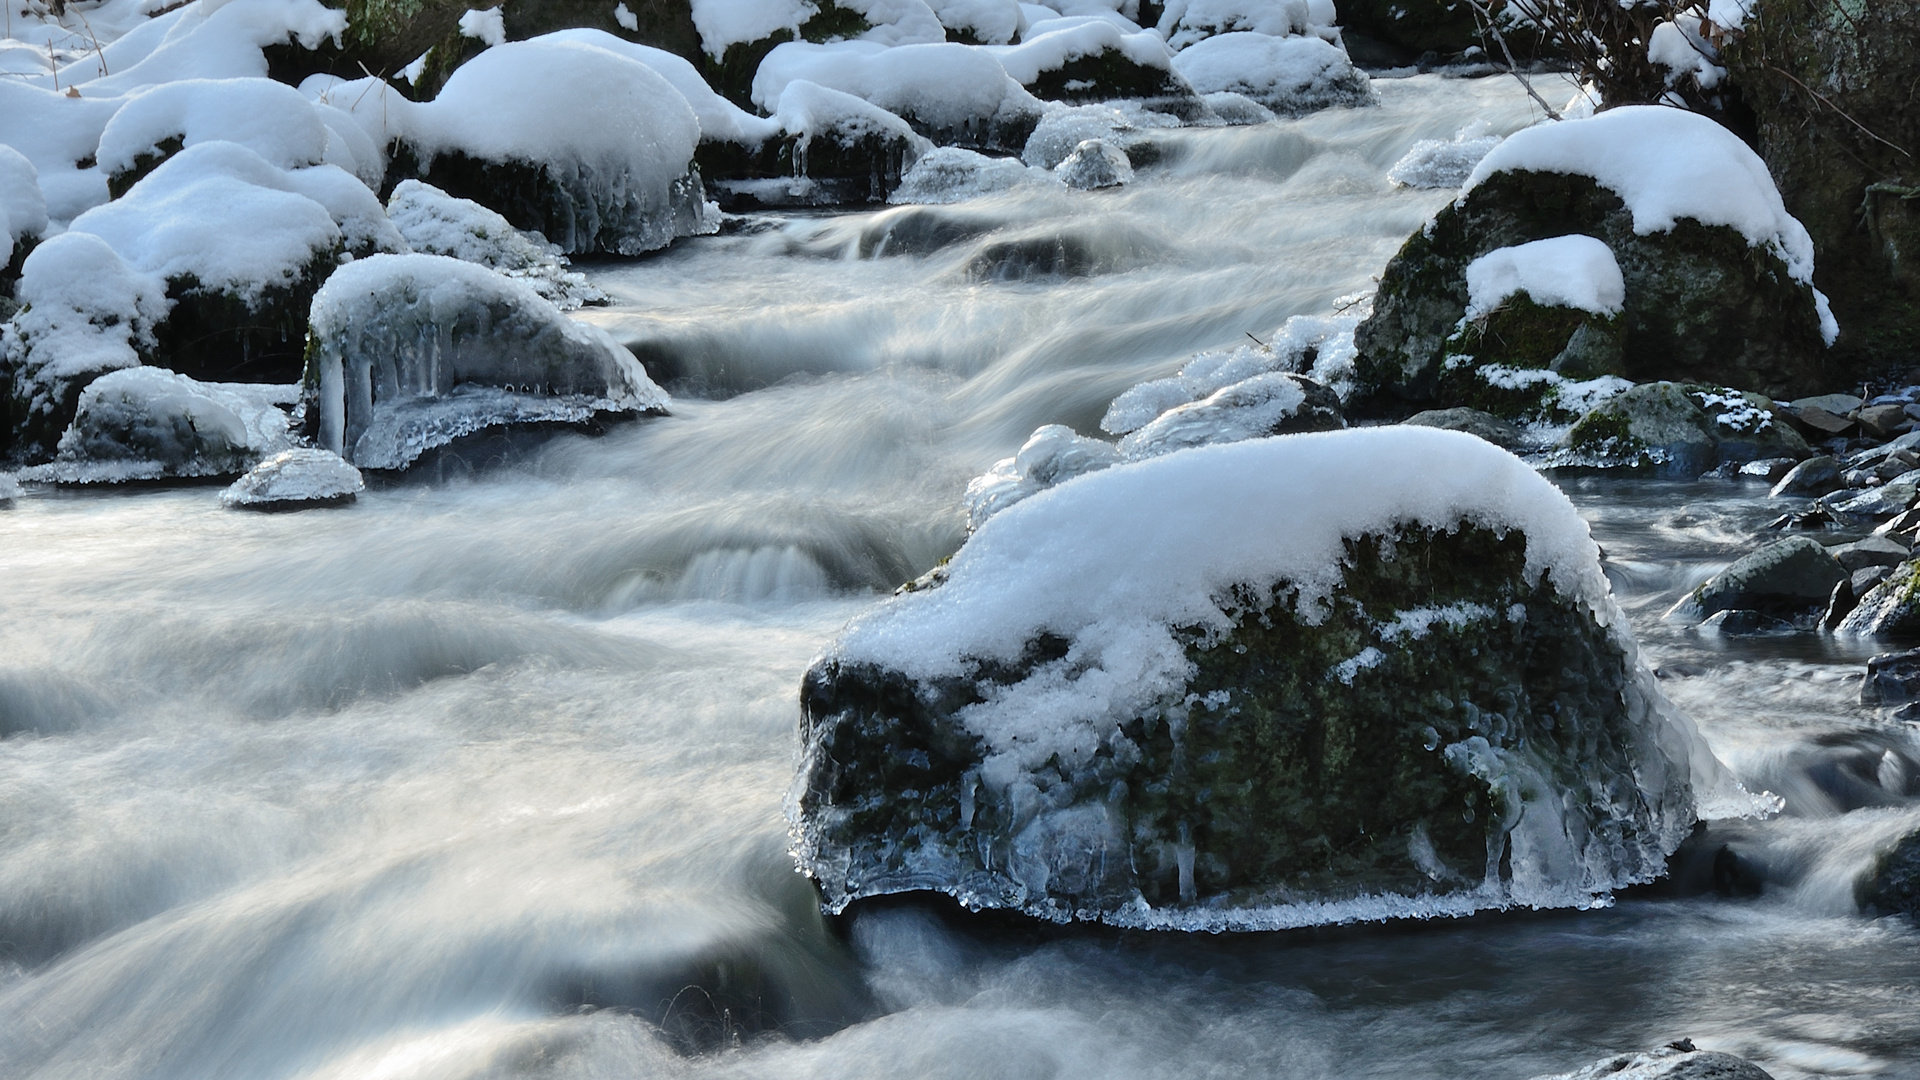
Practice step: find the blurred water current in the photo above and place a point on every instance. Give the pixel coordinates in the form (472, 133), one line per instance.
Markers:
(482, 778)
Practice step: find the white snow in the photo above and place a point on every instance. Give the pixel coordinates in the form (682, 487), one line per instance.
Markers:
(720, 120)
(271, 119)
(1051, 455)
(23, 209)
(488, 27)
(1437, 163)
(1248, 409)
(721, 23)
(941, 85)
(1095, 164)
(1680, 45)
(1185, 22)
(435, 223)
(950, 174)
(1291, 74)
(414, 351)
(625, 17)
(221, 213)
(55, 132)
(1051, 45)
(9, 489)
(811, 111)
(290, 477)
(221, 41)
(1666, 164)
(1565, 271)
(86, 311)
(991, 22)
(144, 423)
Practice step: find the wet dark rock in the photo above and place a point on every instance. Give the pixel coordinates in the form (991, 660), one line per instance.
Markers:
(1872, 551)
(1676, 1061)
(1501, 433)
(1701, 304)
(1678, 429)
(1883, 421)
(1721, 858)
(1892, 887)
(1865, 578)
(1875, 504)
(1814, 476)
(1892, 679)
(1891, 609)
(1840, 603)
(1786, 578)
(1744, 623)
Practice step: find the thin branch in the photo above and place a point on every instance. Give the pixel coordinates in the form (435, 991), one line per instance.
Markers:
(1486, 23)
(1822, 98)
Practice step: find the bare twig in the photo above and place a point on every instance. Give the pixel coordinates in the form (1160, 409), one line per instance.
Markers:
(1844, 115)
(1486, 20)
(1256, 340)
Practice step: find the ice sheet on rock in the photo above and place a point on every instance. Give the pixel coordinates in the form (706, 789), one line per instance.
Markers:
(1666, 164)
(1095, 164)
(1062, 130)
(295, 477)
(223, 41)
(1564, 271)
(23, 209)
(949, 174)
(272, 119)
(9, 489)
(55, 132)
(720, 120)
(1184, 22)
(1051, 45)
(222, 214)
(1289, 75)
(146, 423)
(410, 352)
(1238, 109)
(1248, 409)
(1052, 455)
(435, 223)
(944, 86)
(1437, 163)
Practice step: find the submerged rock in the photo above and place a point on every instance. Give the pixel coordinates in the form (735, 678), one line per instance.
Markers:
(411, 352)
(147, 423)
(1310, 679)
(1892, 886)
(298, 479)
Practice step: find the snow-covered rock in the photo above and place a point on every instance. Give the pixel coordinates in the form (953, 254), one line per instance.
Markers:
(950, 174)
(1290, 75)
(723, 24)
(1186, 22)
(145, 423)
(272, 119)
(836, 148)
(1089, 58)
(411, 352)
(980, 22)
(1271, 403)
(1052, 455)
(435, 223)
(1682, 430)
(23, 209)
(720, 120)
(952, 94)
(1565, 271)
(56, 132)
(86, 313)
(215, 41)
(1319, 347)
(298, 479)
(1244, 687)
(1095, 164)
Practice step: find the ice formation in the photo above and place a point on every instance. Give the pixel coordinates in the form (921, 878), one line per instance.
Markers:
(1437, 163)
(410, 352)
(1052, 455)
(23, 209)
(950, 174)
(942, 87)
(295, 479)
(1666, 164)
(1564, 271)
(1286, 74)
(1095, 164)
(272, 119)
(144, 423)
(9, 489)
(1254, 407)
(435, 223)
(1062, 130)
(1318, 346)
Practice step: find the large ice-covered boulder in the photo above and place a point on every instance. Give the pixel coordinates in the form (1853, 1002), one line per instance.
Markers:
(592, 149)
(834, 148)
(435, 223)
(1716, 275)
(145, 423)
(1290, 75)
(407, 353)
(1304, 679)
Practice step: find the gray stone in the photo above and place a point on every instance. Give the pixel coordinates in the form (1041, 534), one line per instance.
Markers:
(1892, 679)
(1814, 476)
(1890, 610)
(1872, 551)
(1836, 404)
(1892, 887)
(1882, 421)
(1875, 504)
(1787, 577)
(1676, 1061)
(1769, 469)
(1487, 426)
(1865, 578)
(1822, 421)
(1741, 623)
(1655, 425)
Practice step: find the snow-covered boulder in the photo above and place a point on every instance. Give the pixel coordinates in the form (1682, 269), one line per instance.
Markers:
(1052, 455)
(85, 312)
(835, 149)
(23, 216)
(1089, 58)
(955, 95)
(1095, 164)
(435, 223)
(298, 479)
(721, 121)
(1186, 22)
(241, 244)
(951, 174)
(1271, 403)
(1717, 277)
(145, 423)
(1319, 347)
(215, 41)
(407, 353)
(590, 148)
(1310, 679)
(57, 134)
(272, 119)
(1290, 75)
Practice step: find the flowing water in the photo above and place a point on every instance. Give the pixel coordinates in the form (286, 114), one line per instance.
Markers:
(483, 777)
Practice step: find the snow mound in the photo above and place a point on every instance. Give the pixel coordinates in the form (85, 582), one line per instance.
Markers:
(220, 214)
(1055, 43)
(273, 120)
(146, 423)
(720, 120)
(1289, 75)
(489, 26)
(1666, 164)
(721, 23)
(410, 352)
(944, 87)
(435, 223)
(23, 208)
(1437, 163)
(1186, 22)
(220, 41)
(809, 111)
(950, 174)
(295, 479)
(1095, 164)
(988, 22)
(1051, 455)
(55, 133)
(1564, 271)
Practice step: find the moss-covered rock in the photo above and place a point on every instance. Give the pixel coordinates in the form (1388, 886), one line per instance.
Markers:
(1681, 429)
(1890, 609)
(1514, 360)
(1304, 761)
(1701, 304)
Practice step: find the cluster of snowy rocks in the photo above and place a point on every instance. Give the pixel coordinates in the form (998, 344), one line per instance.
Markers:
(180, 231)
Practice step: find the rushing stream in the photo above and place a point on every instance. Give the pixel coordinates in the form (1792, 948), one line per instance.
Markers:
(483, 777)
